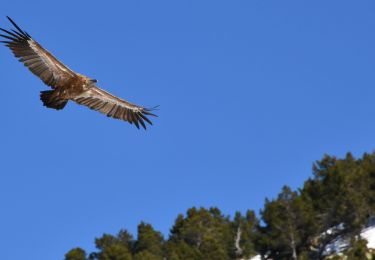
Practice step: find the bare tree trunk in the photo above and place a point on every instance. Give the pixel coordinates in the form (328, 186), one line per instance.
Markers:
(293, 246)
(237, 242)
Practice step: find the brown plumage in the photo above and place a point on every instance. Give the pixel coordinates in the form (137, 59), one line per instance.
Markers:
(68, 85)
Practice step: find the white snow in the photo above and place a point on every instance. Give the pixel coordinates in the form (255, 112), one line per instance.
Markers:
(336, 246)
(340, 243)
(369, 235)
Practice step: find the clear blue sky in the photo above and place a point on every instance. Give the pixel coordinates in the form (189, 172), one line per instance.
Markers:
(251, 94)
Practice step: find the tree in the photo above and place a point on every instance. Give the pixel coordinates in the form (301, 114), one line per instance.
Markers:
(337, 200)
(146, 255)
(287, 228)
(206, 233)
(114, 252)
(76, 254)
(244, 228)
(123, 238)
(341, 195)
(149, 244)
(358, 250)
(114, 247)
(180, 250)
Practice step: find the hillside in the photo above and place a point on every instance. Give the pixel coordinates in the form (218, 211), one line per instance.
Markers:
(328, 216)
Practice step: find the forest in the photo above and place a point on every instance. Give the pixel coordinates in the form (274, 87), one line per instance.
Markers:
(337, 200)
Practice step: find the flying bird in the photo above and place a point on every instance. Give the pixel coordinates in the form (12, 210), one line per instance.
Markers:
(68, 85)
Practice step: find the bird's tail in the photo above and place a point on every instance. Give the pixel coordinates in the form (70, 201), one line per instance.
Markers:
(51, 100)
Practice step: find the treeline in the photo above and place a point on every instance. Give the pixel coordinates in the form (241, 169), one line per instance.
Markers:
(338, 200)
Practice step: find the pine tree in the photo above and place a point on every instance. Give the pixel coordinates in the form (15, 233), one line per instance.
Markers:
(206, 233)
(113, 247)
(358, 250)
(76, 254)
(244, 228)
(341, 195)
(149, 244)
(146, 255)
(114, 252)
(287, 227)
(338, 200)
(180, 250)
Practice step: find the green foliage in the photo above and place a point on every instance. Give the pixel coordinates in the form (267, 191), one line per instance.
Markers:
(358, 249)
(76, 254)
(341, 191)
(113, 247)
(339, 198)
(207, 232)
(123, 238)
(150, 242)
(288, 226)
(114, 252)
(146, 255)
(179, 250)
(245, 230)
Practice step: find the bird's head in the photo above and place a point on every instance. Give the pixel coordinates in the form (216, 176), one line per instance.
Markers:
(90, 81)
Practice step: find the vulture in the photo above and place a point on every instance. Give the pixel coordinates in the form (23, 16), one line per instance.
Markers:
(68, 85)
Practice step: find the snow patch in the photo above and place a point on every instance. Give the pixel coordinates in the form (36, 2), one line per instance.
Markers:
(369, 235)
(340, 243)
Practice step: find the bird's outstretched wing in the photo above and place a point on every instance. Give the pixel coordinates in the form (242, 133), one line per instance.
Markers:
(35, 57)
(102, 101)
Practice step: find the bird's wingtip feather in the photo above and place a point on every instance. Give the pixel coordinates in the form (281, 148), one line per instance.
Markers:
(15, 25)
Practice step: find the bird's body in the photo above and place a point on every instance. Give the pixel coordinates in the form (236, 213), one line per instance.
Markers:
(68, 85)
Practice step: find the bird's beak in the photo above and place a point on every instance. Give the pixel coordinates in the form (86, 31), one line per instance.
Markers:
(93, 80)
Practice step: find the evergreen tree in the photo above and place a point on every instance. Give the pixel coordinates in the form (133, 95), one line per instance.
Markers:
(76, 254)
(341, 195)
(146, 255)
(286, 232)
(341, 188)
(244, 228)
(337, 201)
(149, 243)
(114, 252)
(113, 247)
(207, 232)
(358, 250)
(180, 250)
(123, 238)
